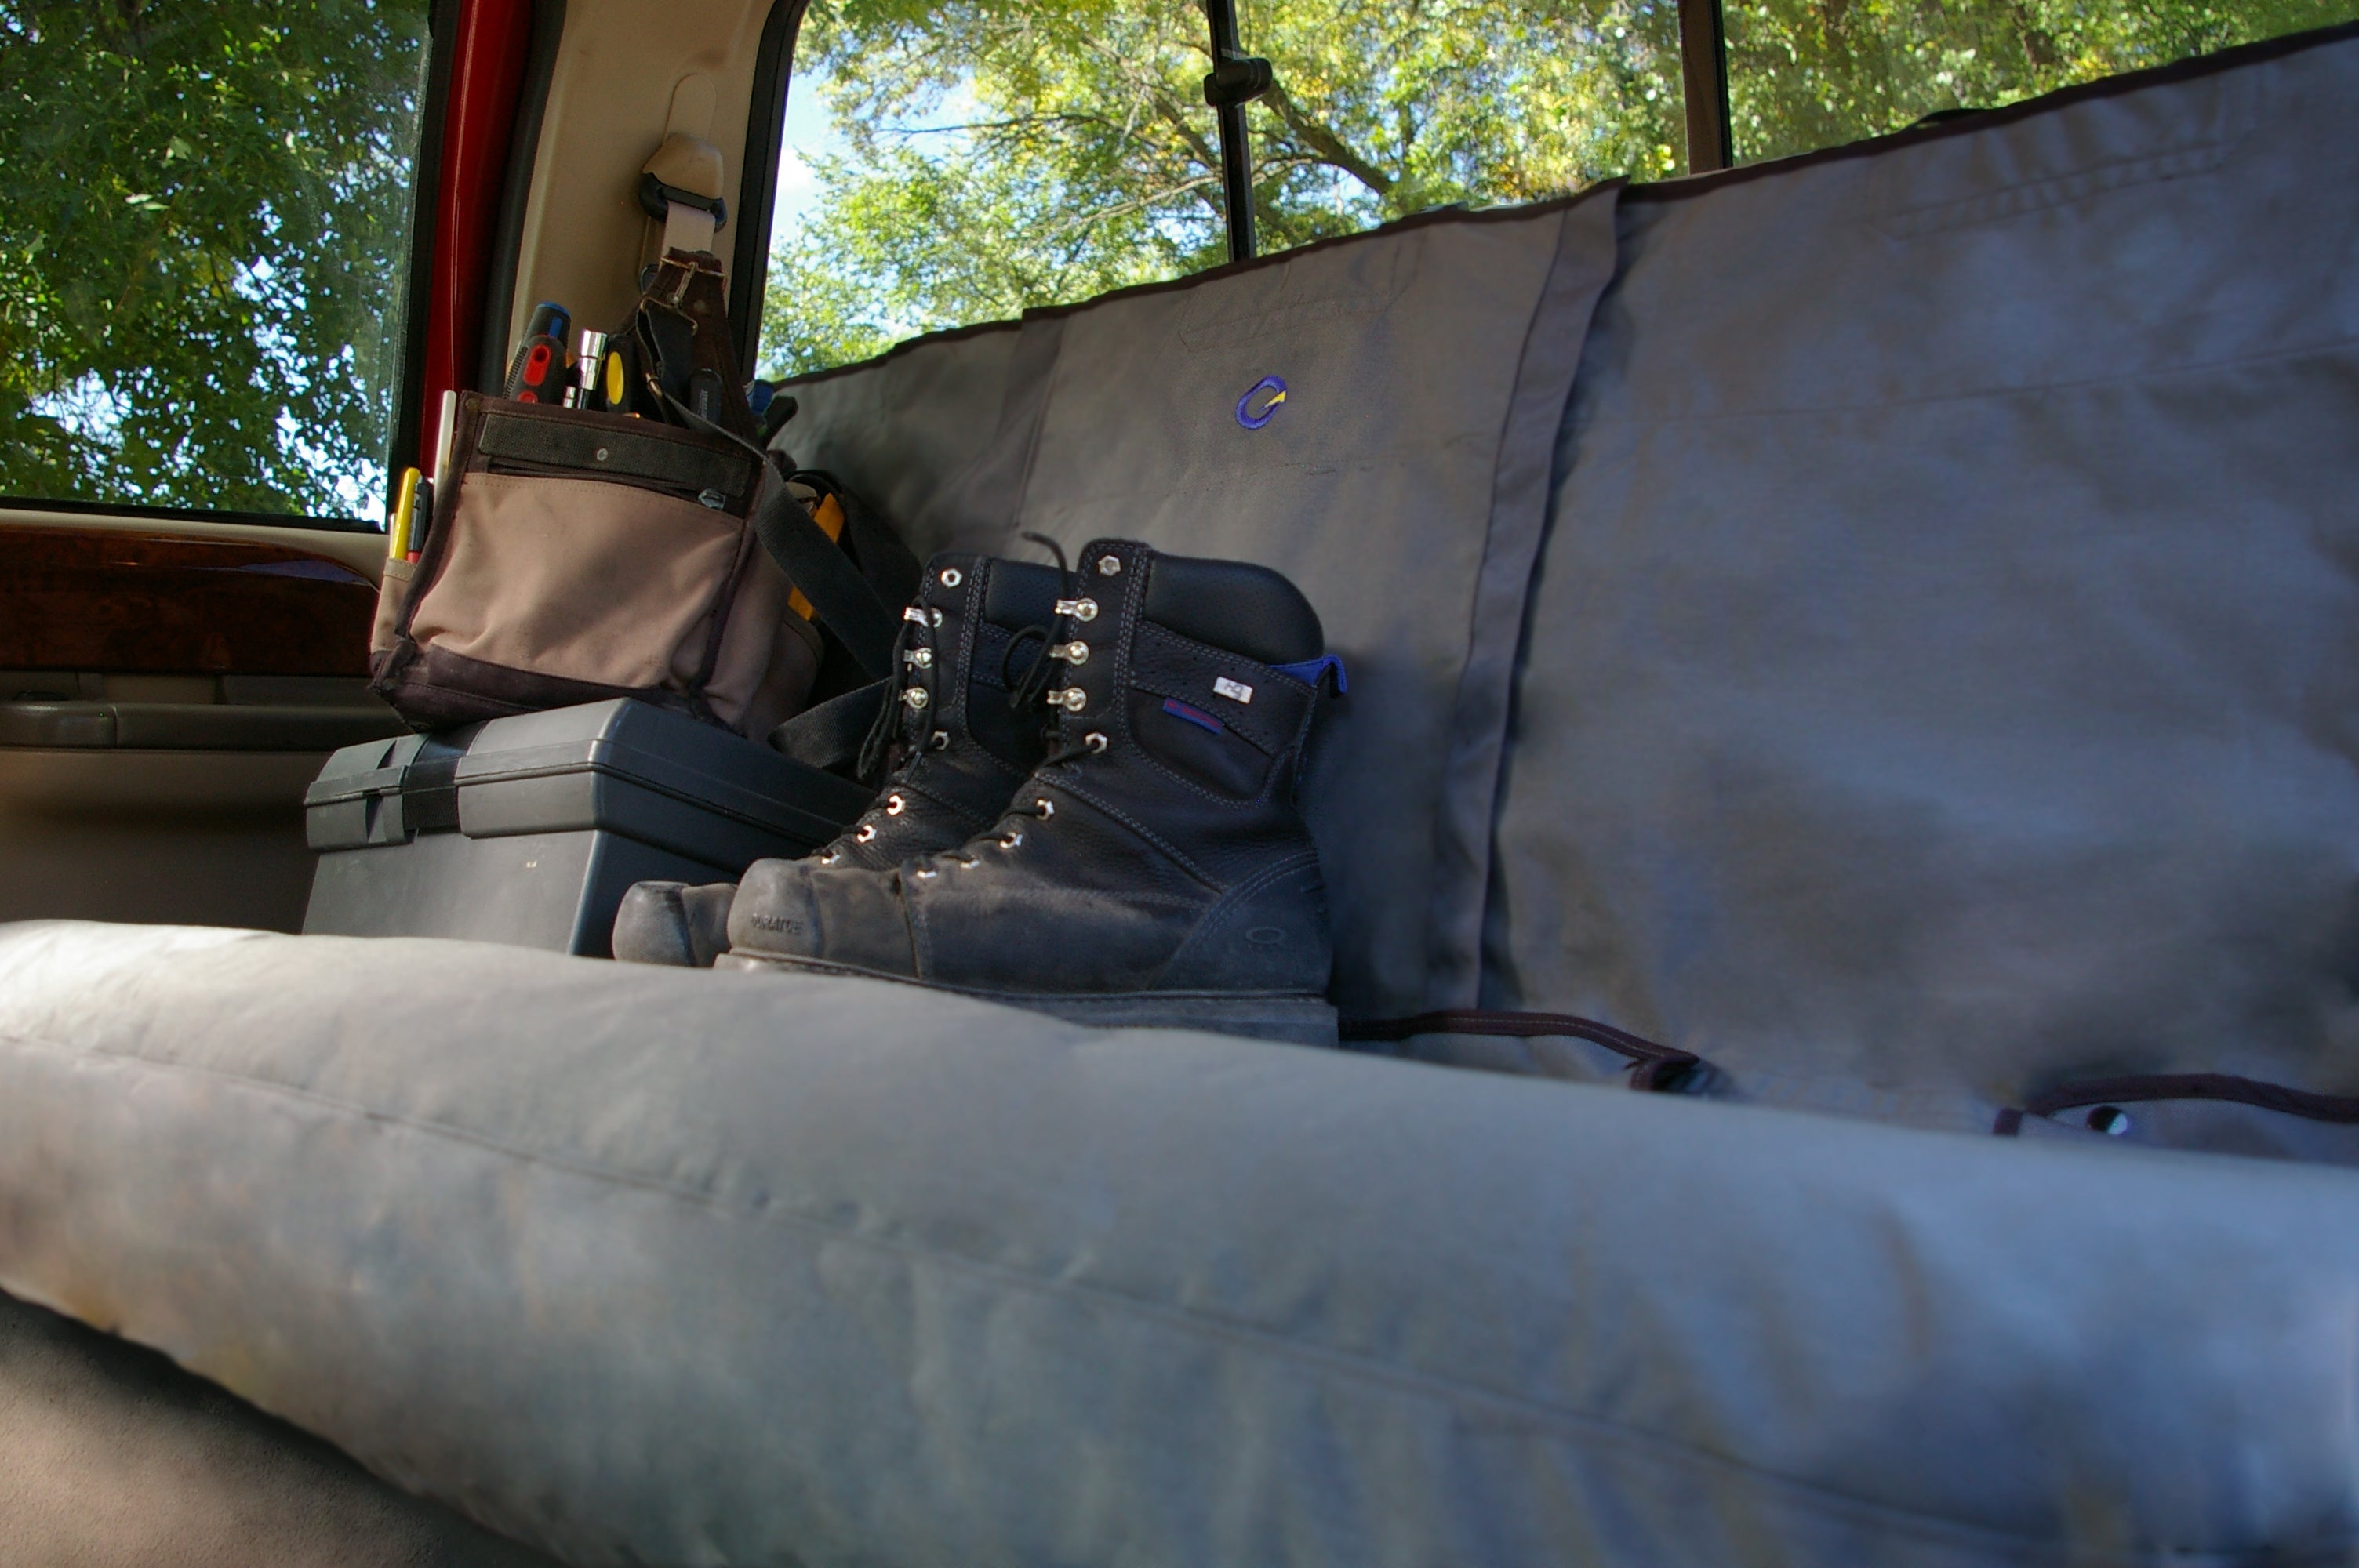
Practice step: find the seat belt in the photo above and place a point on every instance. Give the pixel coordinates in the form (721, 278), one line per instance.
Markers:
(680, 187)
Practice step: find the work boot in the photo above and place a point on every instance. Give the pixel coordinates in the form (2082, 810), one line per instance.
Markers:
(964, 732)
(1153, 868)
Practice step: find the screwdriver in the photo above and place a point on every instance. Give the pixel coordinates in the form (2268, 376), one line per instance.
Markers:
(404, 512)
(539, 372)
(420, 520)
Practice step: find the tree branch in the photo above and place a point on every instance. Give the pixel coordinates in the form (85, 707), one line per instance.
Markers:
(1168, 111)
(1136, 204)
(1326, 143)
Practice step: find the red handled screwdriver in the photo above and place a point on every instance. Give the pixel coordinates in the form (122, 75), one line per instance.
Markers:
(539, 373)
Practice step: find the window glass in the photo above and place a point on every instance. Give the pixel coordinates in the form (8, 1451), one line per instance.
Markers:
(204, 215)
(1815, 73)
(959, 163)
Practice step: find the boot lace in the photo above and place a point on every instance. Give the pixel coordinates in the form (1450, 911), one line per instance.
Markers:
(875, 745)
(1027, 807)
(1008, 833)
(1022, 694)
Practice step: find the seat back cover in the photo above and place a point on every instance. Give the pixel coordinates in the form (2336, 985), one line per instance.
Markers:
(1932, 698)
(1401, 481)
(1940, 681)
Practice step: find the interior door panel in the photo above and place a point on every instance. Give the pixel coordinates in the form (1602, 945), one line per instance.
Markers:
(165, 697)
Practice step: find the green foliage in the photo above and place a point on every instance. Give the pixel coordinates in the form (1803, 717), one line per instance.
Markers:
(1814, 73)
(1003, 154)
(201, 241)
(206, 203)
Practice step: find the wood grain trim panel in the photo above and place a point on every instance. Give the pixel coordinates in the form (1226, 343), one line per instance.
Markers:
(113, 599)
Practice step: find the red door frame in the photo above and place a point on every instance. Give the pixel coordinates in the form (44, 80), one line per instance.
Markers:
(487, 69)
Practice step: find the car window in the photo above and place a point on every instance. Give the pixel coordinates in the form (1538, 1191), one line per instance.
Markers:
(204, 210)
(954, 164)
(1804, 74)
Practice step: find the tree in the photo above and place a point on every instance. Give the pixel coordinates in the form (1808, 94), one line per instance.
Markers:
(200, 247)
(1814, 73)
(206, 204)
(1008, 153)
(1003, 153)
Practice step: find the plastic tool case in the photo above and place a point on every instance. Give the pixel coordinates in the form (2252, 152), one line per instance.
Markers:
(528, 829)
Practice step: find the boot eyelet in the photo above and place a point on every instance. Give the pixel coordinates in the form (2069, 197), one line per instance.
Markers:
(1046, 807)
(966, 862)
(921, 657)
(1074, 653)
(916, 696)
(1109, 566)
(936, 618)
(831, 858)
(1095, 740)
(1071, 698)
(916, 614)
(1083, 610)
(927, 876)
(1012, 840)
(939, 740)
(867, 831)
(895, 805)
(952, 577)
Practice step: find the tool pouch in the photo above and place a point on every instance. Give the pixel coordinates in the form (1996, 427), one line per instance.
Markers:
(578, 556)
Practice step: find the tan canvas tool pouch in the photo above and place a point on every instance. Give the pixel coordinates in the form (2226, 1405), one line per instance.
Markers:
(578, 556)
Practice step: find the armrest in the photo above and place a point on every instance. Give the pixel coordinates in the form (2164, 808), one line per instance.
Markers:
(194, 726)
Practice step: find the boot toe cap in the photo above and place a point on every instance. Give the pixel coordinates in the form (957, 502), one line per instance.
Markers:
(673, 922)
(844, 914)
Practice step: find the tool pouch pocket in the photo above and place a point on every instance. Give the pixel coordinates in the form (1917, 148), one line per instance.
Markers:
(575, 557)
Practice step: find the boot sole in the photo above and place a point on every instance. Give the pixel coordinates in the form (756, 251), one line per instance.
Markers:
(1291, 1018)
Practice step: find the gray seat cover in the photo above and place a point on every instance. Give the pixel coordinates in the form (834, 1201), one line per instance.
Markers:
(926, 433)
(1937, 683)
(674, 1267)
(1943, 669)
(1402, 485)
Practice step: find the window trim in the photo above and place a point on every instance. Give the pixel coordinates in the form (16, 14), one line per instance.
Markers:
(1704, 85)
(757, 179)
(226, 516)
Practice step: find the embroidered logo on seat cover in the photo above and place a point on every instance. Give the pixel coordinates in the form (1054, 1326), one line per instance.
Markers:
(1259, 406)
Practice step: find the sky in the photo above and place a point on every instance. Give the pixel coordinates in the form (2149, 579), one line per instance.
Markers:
(809, 131)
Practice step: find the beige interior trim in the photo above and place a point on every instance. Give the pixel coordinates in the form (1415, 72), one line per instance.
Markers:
(364, 553)
(694, 97)
(626, 72)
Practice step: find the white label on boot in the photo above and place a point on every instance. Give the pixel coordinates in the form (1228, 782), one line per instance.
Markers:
(1236, 691)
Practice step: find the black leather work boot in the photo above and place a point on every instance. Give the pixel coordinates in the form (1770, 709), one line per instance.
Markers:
(1153, 870)
(965, 736)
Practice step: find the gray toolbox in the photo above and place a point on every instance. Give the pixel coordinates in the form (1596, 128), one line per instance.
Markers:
(528, 829)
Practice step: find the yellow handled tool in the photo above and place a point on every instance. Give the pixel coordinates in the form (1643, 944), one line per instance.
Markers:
(405, 516)
(829, 516)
